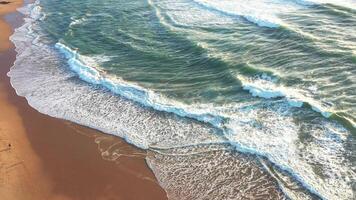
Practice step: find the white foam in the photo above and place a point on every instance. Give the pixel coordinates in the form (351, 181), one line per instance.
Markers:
(134, 92)
(271, 130)
(182, 13)
(79, 21)
(259, 89)
(343, 3)
(265, 87)
(263, 12)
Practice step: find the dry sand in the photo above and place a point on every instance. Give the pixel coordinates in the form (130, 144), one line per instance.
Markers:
(54, 159)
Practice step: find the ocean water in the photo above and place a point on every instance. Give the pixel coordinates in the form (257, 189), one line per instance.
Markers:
(233, 99)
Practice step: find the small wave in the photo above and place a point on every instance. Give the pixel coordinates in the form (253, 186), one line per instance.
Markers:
(351, 4)
(77, 21)
(265, 87)
(133, 92)
(248, 15)
(263, 13)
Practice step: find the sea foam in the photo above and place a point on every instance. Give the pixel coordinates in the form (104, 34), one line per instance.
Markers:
(265, 87)
(133, 92)
(263, 13)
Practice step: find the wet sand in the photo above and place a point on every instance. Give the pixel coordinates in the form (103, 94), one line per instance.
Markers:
(46, 158)
(6, 7)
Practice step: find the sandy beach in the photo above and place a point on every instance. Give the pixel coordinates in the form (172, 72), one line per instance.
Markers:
(46, 158)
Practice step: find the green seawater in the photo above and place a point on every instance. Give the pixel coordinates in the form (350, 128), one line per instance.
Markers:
(279, 74)
(313, 53)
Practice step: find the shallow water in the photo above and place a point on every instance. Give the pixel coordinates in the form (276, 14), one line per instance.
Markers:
(209, 87)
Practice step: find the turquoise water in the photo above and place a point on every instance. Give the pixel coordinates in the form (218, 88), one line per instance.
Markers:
(163, 46)
(273, 79)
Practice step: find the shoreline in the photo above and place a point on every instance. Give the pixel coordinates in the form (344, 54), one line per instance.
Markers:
(47, 158)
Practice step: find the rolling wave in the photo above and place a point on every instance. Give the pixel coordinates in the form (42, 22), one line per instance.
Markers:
(265, 13)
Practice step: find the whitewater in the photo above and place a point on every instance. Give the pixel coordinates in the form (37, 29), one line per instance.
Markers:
(282, 122)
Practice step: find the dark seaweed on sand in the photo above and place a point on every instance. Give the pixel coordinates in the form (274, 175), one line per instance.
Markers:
(4, 2)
